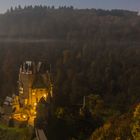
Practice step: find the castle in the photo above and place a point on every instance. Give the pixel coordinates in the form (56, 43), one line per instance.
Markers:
(34, 84)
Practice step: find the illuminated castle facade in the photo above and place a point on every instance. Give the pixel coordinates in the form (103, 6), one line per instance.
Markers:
(34, 83)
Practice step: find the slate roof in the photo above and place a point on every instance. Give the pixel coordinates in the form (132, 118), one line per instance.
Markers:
(39, 82)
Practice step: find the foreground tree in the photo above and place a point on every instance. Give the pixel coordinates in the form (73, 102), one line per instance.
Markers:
(136, 123)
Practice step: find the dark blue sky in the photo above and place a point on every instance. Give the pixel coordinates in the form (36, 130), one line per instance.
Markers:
(103, 4)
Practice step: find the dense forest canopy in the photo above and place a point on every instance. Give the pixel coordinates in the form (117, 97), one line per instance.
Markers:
(66, 22)
(92, 52)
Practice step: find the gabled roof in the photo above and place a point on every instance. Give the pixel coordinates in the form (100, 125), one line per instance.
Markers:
(39, 82)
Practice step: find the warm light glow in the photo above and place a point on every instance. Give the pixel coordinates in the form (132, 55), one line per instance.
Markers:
(24, 116)
(26, 101)
(35, 104)
(33, 93)
(44, 95)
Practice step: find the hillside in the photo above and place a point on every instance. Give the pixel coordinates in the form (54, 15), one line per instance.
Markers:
(92, 52)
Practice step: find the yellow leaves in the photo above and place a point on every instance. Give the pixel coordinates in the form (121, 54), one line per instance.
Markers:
(136, 123)
(106, 126)
(137, 112)
(60, 112)
(102, 132)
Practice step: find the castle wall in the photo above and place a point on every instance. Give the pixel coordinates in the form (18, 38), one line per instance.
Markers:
(27, 81)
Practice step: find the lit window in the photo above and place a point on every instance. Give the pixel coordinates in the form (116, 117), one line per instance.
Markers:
(26, 101)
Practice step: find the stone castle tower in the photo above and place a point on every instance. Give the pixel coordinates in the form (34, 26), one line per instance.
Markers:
(34, 83)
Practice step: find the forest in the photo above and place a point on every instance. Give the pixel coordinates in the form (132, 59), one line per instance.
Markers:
(93, 53)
